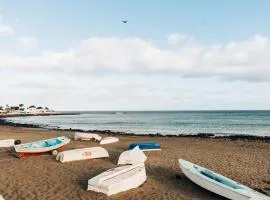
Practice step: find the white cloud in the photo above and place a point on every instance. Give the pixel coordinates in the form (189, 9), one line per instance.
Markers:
(175, 38)
(112, 73)
(28, 41)
(129, 92)
(237, 60)
(5, 30)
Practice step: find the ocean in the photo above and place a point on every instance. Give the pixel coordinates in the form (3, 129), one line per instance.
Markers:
(162, 122)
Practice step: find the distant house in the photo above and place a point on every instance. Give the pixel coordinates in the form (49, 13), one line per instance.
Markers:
(40, 110)
(21, 109)
(2, 110)
(47, 110)
(31, 110)
(14, 110)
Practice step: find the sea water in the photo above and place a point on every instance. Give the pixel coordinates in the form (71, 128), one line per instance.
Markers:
(163, 122)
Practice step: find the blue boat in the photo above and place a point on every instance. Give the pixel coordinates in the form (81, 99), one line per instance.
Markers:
(145, 146)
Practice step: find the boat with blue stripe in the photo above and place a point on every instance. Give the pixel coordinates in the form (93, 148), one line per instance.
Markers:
(52, 145)
(219, 184)
(145, 146)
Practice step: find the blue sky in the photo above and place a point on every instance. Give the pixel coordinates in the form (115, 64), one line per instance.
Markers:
(209, 20)
(181, 53)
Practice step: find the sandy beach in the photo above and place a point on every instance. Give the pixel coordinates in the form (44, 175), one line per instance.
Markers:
(42, 177)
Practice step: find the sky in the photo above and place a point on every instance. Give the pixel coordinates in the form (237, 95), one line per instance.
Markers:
(171, 55)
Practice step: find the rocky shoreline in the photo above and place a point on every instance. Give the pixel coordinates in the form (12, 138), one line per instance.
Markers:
(3, 121)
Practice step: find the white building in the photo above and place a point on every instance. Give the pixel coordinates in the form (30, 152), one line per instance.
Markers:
(40, 110)
(2, 110)
(31, 110)
(21, 109)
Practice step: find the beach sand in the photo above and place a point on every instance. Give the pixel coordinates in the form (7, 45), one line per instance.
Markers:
(42, 177)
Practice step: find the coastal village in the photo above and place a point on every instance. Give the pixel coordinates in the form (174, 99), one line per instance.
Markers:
(21, 109)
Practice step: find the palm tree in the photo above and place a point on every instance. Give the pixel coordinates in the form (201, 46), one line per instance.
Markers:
(7, 107)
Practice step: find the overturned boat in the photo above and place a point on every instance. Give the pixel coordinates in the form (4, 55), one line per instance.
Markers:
(7, 143)
(132, 157)
(53, 145)
(87, 136)
(145, 146)
(219, 184)
(108, 140)
(82, 154)
(118, 179)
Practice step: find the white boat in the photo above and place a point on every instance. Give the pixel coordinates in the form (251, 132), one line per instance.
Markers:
(1, 197)
(219, 184)
(133, 157)
(82, 154)
(118, 179)
(108, 140)
(7, 143)
(87, 136)
(39, 147)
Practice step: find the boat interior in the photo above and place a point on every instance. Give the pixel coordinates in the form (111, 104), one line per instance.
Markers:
(221, 179)
(45, 143)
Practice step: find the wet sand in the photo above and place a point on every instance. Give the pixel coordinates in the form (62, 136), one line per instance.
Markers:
(42, 177)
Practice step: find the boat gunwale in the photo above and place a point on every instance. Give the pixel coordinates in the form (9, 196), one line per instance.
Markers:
(216, 182)
(21, 149)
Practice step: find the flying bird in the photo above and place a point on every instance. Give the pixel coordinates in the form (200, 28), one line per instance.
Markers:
(125, 22)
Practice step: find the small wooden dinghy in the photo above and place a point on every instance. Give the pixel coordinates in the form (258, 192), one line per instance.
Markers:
(7, 143)
(39, 147)
(82, 154)
(108, 140)
(219, 184)
(118, 179)
(145, 146)
(132, 157)
(87, 136)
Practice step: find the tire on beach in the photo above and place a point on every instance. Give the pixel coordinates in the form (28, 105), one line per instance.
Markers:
(54, 152)
(16, 142)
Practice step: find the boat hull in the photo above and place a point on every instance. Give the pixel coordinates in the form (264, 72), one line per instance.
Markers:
(132, 157)
(87, 136)
(145, 146)
(243, 193)
(82, 154)
(118, 179)
(27, 154)
(35, 149)
(109, 140)
(213, 187)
